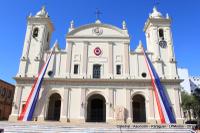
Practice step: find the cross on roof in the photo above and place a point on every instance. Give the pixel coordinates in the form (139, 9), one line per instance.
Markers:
(98, 14)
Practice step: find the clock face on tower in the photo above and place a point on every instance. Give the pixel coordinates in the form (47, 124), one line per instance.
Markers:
(163, 44)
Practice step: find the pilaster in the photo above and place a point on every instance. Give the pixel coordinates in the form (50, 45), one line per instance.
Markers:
(111, 102)
(64, 104)
(128, 104)
(16, 103)
(110, 59)
(126, 60)
(154, 36)
(69, 58)
(68, 104)
(158, 64)
(169, 43)
(85, 59)
(22, 67)
(151, 118)
(83, 108)
(39, 112)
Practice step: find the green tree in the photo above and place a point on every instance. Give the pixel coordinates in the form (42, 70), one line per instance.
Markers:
(191, 102)
(196, 104)
(186, 102)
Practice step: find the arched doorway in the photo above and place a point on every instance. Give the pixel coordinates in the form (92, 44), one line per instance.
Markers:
(96, 108)
(139, 110)
(54, 107)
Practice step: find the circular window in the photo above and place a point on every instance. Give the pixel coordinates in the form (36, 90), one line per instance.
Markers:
(144, 75)
(97, 51)
(50, 73)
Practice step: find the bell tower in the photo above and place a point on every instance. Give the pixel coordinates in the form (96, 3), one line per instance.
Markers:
(160, 42)
(37, 41)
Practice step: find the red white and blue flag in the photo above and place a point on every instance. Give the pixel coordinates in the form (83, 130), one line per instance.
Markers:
(28, 109)
(164, 108)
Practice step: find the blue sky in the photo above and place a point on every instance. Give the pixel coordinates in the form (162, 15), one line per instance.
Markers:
(185, 26)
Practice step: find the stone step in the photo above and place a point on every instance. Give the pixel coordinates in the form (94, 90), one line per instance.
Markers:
(84, 128)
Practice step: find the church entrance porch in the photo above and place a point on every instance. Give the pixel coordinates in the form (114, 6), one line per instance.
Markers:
(138, 106)
(96, 108)
(54, 107)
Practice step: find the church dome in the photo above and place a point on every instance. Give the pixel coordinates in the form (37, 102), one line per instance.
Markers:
(155, 13)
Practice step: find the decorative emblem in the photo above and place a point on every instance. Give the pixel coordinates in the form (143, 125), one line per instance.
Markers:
(98, 31)
(97, 51)
(163, 44)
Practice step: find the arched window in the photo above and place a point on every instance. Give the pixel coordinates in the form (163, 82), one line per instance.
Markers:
(35, 32)
(161, 34)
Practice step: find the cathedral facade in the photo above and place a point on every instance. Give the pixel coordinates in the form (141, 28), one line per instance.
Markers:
(97, 78)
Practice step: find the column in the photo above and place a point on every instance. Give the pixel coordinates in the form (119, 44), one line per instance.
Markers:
(126, 59)
(64, 103)
(110, 59)
(69, 58)
(85, 59)
(16, 103)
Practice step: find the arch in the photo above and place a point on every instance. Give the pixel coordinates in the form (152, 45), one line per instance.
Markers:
(138, 108)
(96, 92)
(96, 108)
(51, 92)
(54, 107)
(142, 93)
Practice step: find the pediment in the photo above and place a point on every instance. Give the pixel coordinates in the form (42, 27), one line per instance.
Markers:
(98, 30)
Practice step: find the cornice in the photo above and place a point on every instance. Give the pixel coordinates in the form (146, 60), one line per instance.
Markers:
(97, 37)
(97, 82)
(87, 26)
(160, 21)
(39, 21)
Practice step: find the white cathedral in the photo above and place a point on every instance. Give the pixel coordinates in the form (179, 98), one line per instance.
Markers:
(97, 78)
